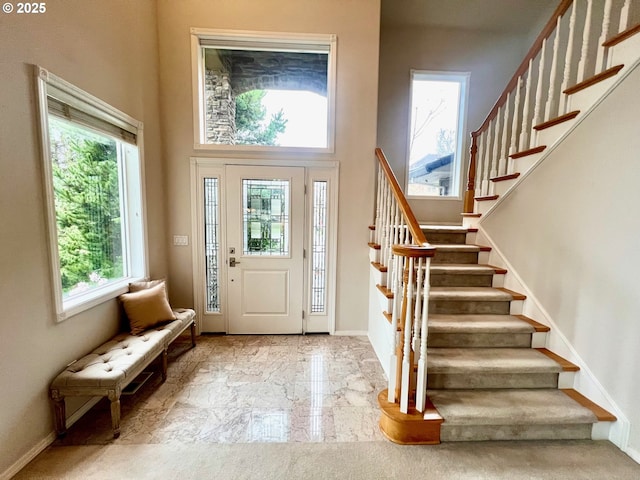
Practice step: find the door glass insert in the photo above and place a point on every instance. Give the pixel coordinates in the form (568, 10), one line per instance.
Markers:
(212, 243)
(265, 223)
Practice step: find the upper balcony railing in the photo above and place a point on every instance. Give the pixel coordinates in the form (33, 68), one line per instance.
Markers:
(571, 53)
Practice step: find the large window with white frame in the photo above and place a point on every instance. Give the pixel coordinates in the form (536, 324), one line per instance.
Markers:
(93, 184)
(263, 91)
(437, 125)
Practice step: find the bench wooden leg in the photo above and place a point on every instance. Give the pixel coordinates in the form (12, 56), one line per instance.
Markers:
(59, 413)
(115, 413)
(193, 334)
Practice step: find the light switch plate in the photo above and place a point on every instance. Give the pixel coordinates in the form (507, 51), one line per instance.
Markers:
(180, 240)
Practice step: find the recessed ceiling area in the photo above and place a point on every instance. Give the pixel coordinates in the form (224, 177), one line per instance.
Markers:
(501, 16)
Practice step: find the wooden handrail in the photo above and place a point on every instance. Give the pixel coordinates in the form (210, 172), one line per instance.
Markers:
(412, 223)
(524, 66)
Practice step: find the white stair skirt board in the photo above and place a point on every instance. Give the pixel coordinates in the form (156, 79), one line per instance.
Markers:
(504, 185)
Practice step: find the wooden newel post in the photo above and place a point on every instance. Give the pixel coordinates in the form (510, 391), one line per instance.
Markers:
(471, 184)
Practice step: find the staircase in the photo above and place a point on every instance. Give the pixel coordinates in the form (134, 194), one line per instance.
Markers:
(440, 319)
(485, 378)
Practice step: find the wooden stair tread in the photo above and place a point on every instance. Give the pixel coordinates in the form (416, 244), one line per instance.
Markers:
(385, 291)
(489, 360)
(486, 198)
(505, 177)
(556, 121)
(601, 414)
(478, 323)
(539, 327)
(472, 294)
(530, 151)
(471, 215)
(599, 77)
(461, 269)
(379, 267)
(375, 246)
(567, 366)
(622, 36)
(515, 295)
(455, 247)
(509, 407)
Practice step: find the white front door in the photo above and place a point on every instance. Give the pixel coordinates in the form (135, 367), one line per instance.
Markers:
(265, 234)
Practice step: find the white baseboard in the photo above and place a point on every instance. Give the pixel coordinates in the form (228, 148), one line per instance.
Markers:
(48, 440)
(351, 333)
(633, 453)
(27, 457)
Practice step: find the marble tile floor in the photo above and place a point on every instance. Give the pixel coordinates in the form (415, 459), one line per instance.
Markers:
(244, 389)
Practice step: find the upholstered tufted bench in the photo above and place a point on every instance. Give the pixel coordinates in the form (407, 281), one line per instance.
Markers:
(113, 365)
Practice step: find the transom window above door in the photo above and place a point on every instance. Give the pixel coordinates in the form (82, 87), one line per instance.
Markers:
(263, 91)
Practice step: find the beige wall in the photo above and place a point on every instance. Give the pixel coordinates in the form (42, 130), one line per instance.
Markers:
(356, 24)
(491, 59)
(107, 48)
(571, 233)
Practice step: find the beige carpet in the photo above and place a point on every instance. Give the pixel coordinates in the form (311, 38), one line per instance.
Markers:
(358, 460)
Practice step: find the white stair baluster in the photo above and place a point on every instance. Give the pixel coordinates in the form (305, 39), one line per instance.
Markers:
(586, 40)
(480, 176)
(553, 75)
(513, 148)
(526, 126)
(603, 52)
(502, 166)
(624, 16)
(394, 337)
(496, 153)
(564, 99)
(415, 344)
(394, 240)
(407, 366)
(537, 108)
(421, 386)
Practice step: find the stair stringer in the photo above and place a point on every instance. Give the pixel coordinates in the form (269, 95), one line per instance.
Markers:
(612, 85)
(584, 381)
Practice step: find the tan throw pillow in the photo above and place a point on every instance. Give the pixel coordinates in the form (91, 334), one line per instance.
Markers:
(138, 286)
(147, 308)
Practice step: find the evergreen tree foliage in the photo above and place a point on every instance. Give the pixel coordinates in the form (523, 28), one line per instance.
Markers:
(87, 201)
(250, 125)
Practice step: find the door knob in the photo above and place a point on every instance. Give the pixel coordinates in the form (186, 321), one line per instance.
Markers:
(232, 262)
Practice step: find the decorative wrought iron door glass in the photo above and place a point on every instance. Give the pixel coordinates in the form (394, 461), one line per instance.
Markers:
(265, 217)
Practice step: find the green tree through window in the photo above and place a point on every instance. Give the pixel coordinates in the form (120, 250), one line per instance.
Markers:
(251, 128)
(88, 206)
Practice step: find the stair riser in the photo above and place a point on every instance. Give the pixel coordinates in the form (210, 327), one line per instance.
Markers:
(465, 433)
(445, 280)
(455, 257)
(462, 307)
(479, 340)
(446, 238)
(447, 381)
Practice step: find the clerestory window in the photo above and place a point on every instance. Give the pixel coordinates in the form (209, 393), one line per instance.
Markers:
(93, 185)
(263, 91)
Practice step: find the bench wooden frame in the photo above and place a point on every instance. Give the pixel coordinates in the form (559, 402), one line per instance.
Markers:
(58, 392)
